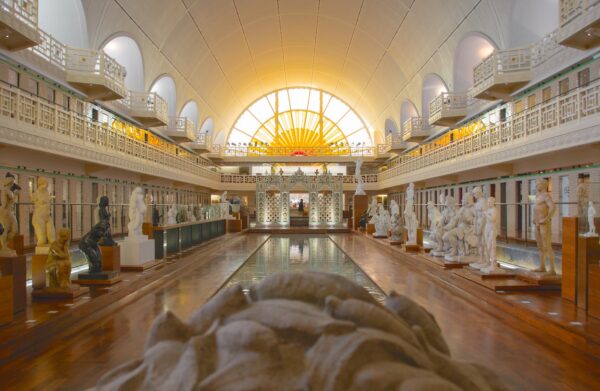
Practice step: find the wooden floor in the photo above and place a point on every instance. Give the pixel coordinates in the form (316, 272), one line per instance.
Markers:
(527, 358)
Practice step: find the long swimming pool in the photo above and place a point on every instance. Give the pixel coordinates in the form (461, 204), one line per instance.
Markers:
(298, 253)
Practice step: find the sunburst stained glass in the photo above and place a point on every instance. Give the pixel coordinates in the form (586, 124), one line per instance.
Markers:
(300, 121)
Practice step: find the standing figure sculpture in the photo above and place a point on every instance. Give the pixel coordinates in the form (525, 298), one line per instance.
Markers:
(543, 211)
(460, 232)
(490, 234)
(448, 212)
(58, 263)
(41, 219)
(434, 216)
(137, 210)
(382, 222)
(591, 214)
(360, 184)
(480, 206)
(104, 215)
(89, 246)
(410, 218)
(172, 215)
(7, 216)
(394, 208)
(397, 229)
(372, 211)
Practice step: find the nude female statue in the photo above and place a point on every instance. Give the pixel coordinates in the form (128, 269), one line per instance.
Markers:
(7, 217)
(590, 215)
(480, 206)
(137, 209)
(543, 211)
(489, 235)
(41, 219)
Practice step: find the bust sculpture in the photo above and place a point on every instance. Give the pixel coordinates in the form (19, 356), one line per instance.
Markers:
(591, 214)
(41, 219)
(104, 215)
(137, 210)
(410, 218)
(58, 263)
(543, 211)
(490, 234)
(7, 216)
(89, 246)
(172, 215)
(360, 184)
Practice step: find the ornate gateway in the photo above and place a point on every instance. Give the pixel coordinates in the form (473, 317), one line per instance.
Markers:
(325, 198)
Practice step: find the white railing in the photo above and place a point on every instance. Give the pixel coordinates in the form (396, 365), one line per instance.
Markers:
(264, 150)
(447, 101)
(411, 126)
(250, 179)
(571, 9)
(179, 126)
(560, 110)
(203, 139)
(25, 10)
(500, 63)
(51, 50)
(30, 110)
(97, 63)
(148, 104)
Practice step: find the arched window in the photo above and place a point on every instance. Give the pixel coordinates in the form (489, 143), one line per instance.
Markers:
(471, 50)
(190, 111)
(127, 53)
(165, 87)
(301, 119)
(433, 85)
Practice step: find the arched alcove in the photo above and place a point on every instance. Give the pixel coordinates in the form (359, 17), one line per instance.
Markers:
(165, 87)
(190, 111)
(127, 53)
(531, 20)
(391, 127)
(208, 126)
(433, 85)
(471, 50)
(64, 20)
(407, 110)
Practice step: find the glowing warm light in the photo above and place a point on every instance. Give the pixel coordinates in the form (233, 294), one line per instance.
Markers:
(485, 51)
(305, 121)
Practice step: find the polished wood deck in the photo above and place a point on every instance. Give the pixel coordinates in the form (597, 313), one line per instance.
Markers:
(528, 357)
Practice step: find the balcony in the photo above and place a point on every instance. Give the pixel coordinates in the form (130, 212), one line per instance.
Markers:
(395, 143)
(414, 129)
(502, 73)
(19, 24)
(179, 129)
(148, 108)
(201, 144)
(447, 109)
(579, 23)
(96, 74)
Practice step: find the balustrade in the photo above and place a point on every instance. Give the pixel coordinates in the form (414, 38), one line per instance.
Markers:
(447, 108)
(501, 73)
(579, 23)
(19, 24)
(148, 108)
(95, 73)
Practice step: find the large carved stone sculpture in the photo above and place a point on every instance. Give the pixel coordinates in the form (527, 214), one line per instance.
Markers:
(460, 232)
(137, 210)
(397, 228)
(58, 263)
(410, 218)
(372, 211)
(360, 184)
(382, 222)
(448, 213)
(543, 211)
(490, 234)
(300, 331)
(434, 216)
(42, 219)
(394, 208)
(104, 215)
(7, 214)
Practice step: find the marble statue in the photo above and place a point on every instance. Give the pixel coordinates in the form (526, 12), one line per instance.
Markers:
(490, 234)
(382, 222)
(448, 212)
(397, 228)
(410, 218)
(591, 214)
(372, 211)
(224, 196)
(394, 208)
(7, 214)
(434, 216)
(480, 206)
(58, 263)
(88, 244)
(137, 210)
(172, 215)
(299, 331)
(148, 200)
(104, 215)
(360, 184)
(543, 211)
(42, 219)
(460, 231)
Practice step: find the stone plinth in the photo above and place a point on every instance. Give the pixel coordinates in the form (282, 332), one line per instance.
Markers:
(111, 258)
(16, 267)
(136, 252)
(102, 278)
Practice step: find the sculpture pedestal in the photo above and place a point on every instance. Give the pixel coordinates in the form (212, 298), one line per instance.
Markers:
(17, 243)
(360, 204)
(396, 242)
(38, 267)
(111, 258)
(411, 248)
(234, 226)
(148, 230)
(370, 228)
(137, 253)
(102, 278)
(56, 294)
(548, 280)
(16, 267)
(6, 299)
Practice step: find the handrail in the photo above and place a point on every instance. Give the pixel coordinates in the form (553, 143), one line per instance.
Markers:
(571, 9)
(411, 125)
(250, 179)
(25, 10)
(259, 150)
(448, 101)
(98, 63)
(500, 62)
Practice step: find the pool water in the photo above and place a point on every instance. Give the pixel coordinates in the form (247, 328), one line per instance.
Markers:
(298, 253)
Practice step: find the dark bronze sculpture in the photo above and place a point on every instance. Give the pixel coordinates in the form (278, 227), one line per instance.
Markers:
(104, 216)
(89, 246)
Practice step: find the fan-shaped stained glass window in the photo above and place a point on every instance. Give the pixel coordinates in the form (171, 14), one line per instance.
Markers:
(299, 121)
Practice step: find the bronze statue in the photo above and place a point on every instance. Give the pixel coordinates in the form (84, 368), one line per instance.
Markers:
(58, 263)
(89, 246)
(104, 216)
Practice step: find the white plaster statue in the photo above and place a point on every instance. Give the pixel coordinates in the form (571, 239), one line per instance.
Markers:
(7, 216)
(137, 210)
(397, 228)
(360, 184)
(410, 218)
(41, 219)
(372, 211)
(148, 215)
(224, 196)
(172, 215)
(191, 215)
(394, 208)
(480, 206)
(591, 213)
(434, 216)
(543, 211)
(448, 213)
(460, 232)
(382, 222)
(490, 234)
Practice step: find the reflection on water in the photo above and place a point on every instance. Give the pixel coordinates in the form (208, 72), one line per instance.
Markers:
(298, 253)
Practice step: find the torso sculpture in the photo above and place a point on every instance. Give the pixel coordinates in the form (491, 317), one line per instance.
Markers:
(410, 218)
(41, 219)
(58, 263)
(104, 215)
(490, 234)
(89, 246)
(7, 216)
(137, 210)
(543, 211)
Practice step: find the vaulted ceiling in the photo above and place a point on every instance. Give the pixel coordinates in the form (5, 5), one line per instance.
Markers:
(371, 53)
